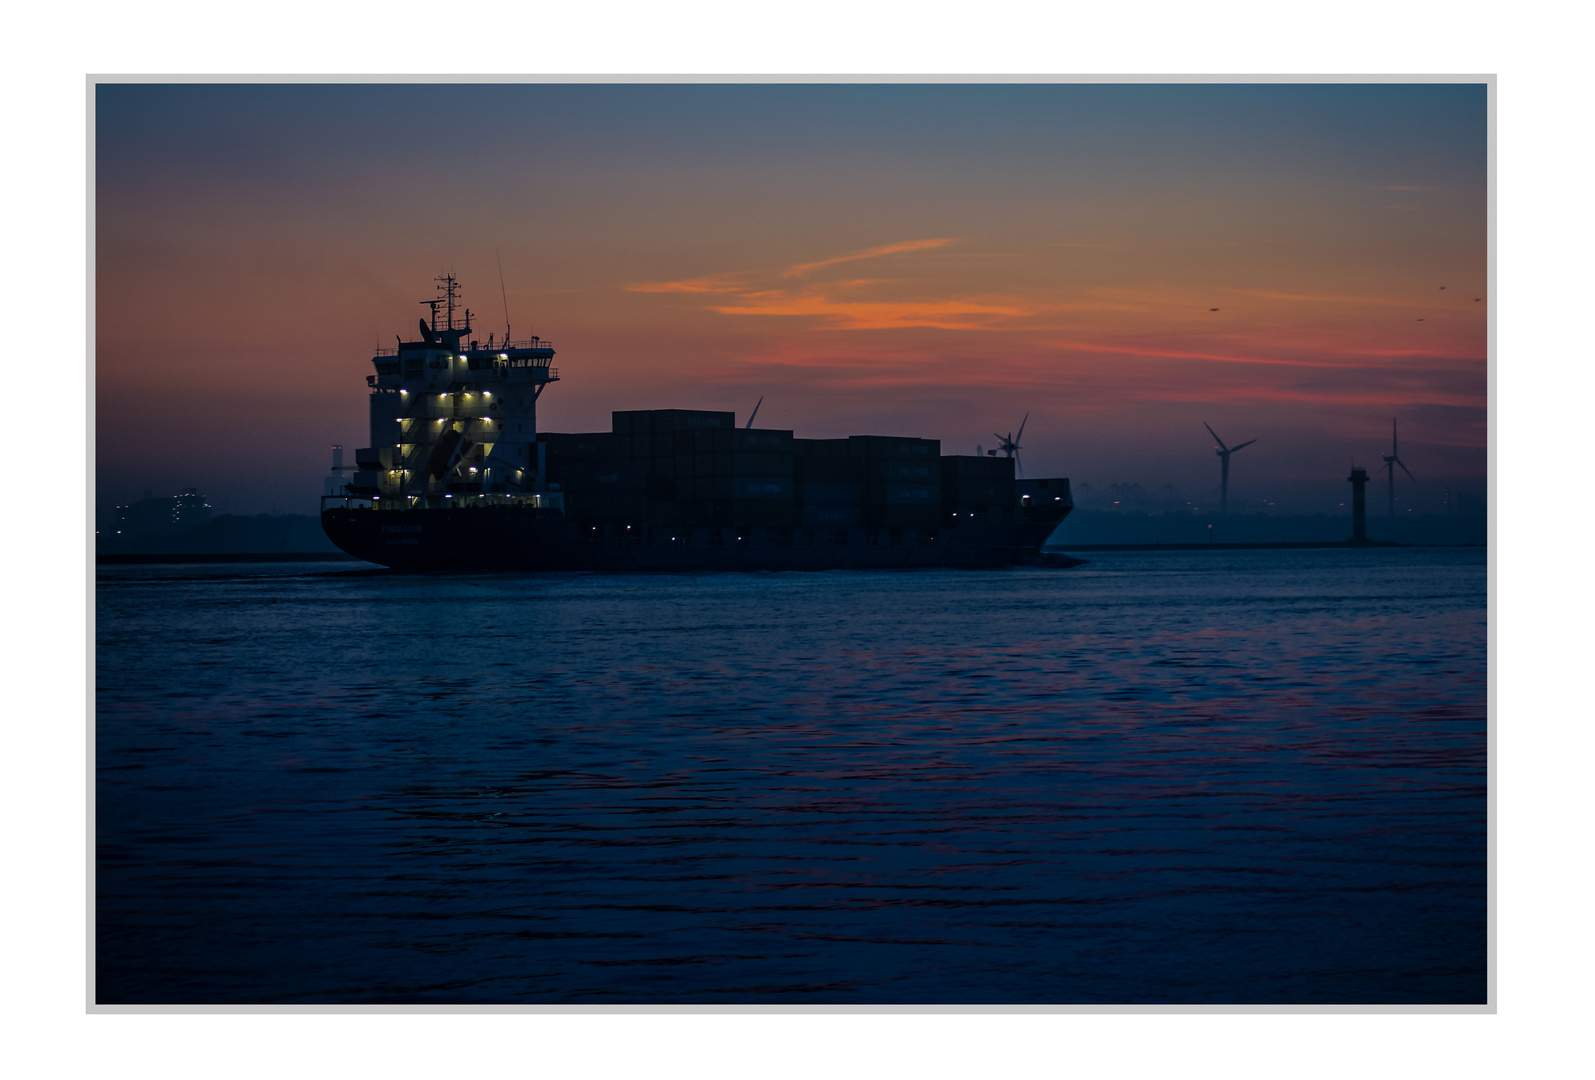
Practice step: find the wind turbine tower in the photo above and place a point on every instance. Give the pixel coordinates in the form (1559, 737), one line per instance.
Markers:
(1223, 453)
(1010, 445)
(1391, 460)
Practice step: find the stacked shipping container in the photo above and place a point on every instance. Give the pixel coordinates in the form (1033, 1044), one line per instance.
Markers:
(977, 486)
(682, 468)
(704, 471)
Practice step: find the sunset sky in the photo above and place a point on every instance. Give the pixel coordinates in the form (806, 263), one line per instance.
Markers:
(929, 260)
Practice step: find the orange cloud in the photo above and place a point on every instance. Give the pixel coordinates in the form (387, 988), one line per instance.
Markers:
(867, 253)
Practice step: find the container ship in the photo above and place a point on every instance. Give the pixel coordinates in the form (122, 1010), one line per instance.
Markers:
(458, 477)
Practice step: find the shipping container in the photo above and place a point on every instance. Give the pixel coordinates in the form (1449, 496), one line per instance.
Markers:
(822, 449)
(968, 467)
(761, 487)
(826, 461)
(978, 483)
(597, 506)
(829, 494)
(919, 516)
(763, 514)
(894, 447)
(823, 516)
(903, 494)
(742, 440)
(605, 475)
(893, 470)
(595, 446)
(672, 420)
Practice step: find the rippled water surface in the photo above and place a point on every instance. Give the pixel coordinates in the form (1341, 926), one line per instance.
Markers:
(1237, 777)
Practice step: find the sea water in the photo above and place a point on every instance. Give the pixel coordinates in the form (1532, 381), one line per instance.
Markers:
(1178, 777)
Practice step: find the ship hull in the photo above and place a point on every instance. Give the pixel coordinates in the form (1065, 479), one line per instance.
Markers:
(509, 538)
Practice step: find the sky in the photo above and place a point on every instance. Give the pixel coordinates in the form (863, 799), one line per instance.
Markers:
(1296, 264)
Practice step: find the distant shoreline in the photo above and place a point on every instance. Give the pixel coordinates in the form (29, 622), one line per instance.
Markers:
(1276, 545)
(338, 556)
(222, 557)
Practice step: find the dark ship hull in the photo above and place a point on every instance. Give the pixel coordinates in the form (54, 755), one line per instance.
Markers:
(518, 539)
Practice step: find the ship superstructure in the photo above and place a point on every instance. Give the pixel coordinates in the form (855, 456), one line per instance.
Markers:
(453, 417)
(457, 475)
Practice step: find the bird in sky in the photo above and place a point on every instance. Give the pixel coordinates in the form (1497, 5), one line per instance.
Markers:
(1212, 309)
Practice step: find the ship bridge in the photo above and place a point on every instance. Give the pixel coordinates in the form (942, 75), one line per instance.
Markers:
(453, 415)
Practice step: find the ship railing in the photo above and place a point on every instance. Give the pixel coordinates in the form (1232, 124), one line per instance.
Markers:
(479, 428)
(536, 500)
(482, 346)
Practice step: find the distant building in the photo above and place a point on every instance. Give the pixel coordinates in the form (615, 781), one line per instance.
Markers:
(162, 517)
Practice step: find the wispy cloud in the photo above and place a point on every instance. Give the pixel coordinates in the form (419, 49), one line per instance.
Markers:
(1173, 354)
(868, 253)
(849, 303)
(881, 315)
(1329, 298)
(715, 283)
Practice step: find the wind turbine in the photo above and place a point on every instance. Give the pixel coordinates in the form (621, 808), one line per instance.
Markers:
(1010, 445)
(1223, 453)
(1391, 461)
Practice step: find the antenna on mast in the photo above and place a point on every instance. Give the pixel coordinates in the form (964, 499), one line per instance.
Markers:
(449, 286)
(504, 296)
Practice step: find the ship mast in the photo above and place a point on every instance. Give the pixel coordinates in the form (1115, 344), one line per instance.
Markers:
(449, 288)
(448, 298)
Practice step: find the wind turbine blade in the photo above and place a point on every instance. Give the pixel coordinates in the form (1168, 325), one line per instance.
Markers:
(1242, 446)
(1022, 424)
(1393, 450)
(1018, 465)
(1406, 470)
(755, 412)
(1213, 433)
